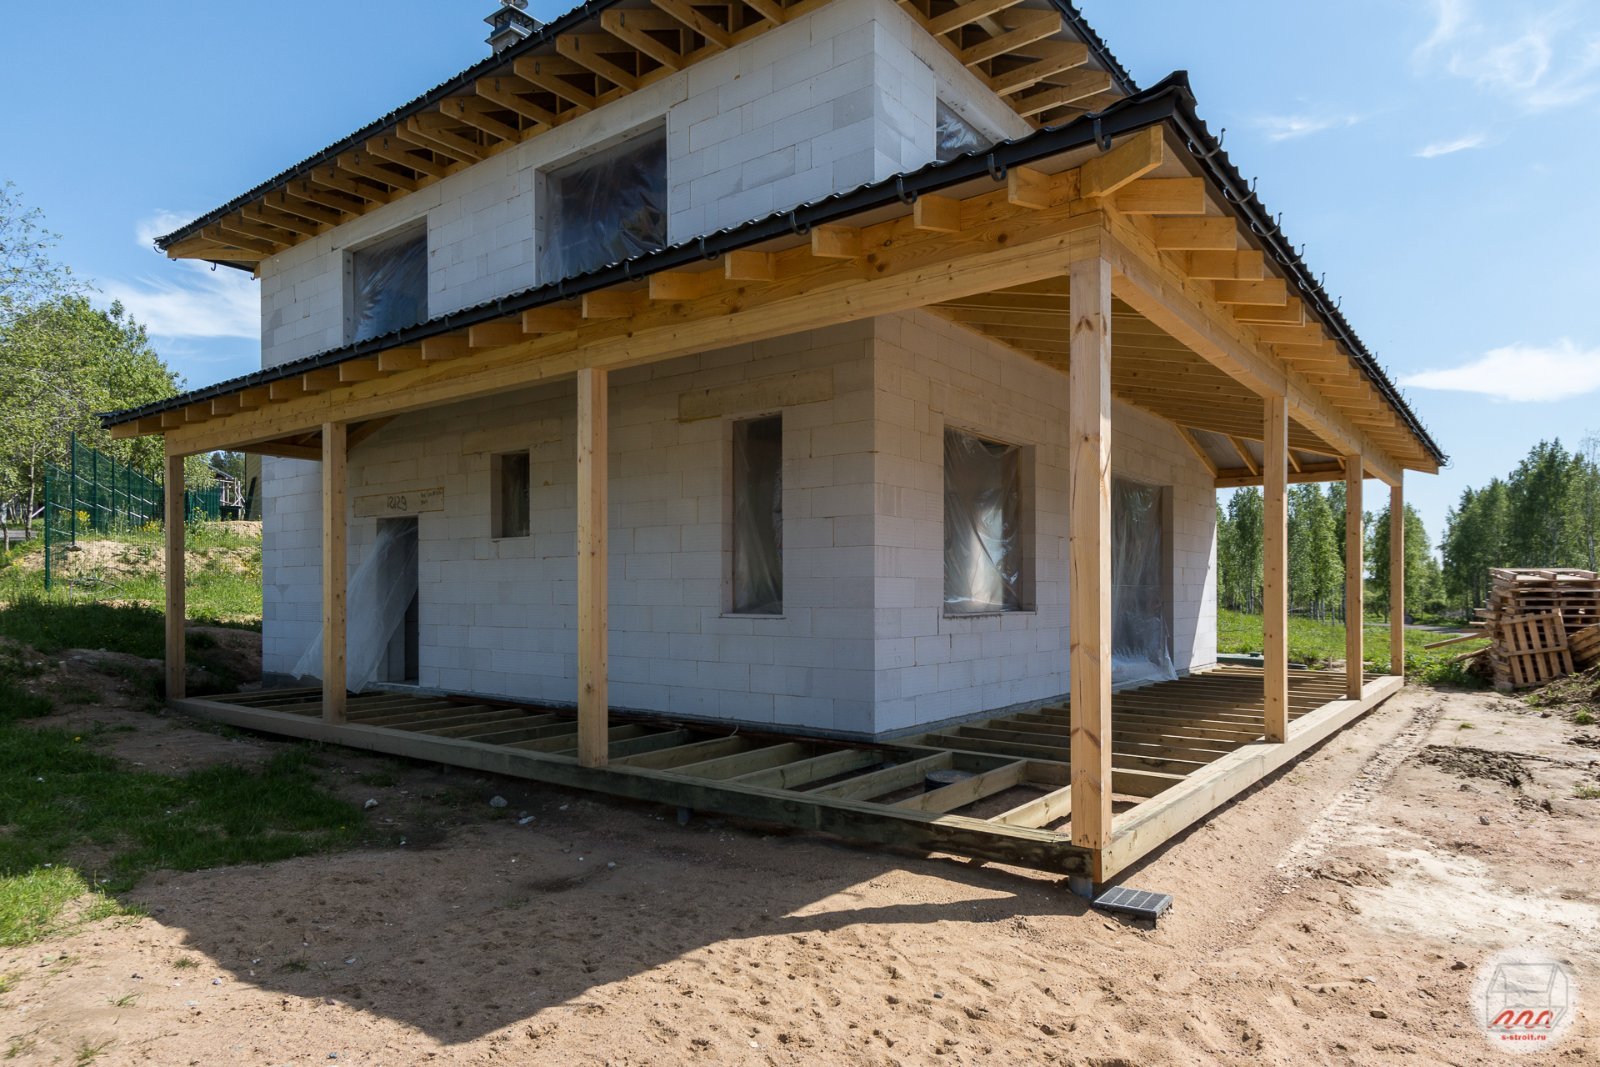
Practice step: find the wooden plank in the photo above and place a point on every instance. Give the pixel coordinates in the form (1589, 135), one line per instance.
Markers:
(1147, 826)
(1163, 196)
(815, 769)
(593, 453)
(335, 479)
(968, 790)
(1052, 807)
(877, 783)
(1397, 579)
(690, 752)
(924, 831)
(1210, 234)
(1136, 156)
(737, 764)
(1275, 568)
(1354, 576)
(1089, 552)
(176, 523)
(937, 214)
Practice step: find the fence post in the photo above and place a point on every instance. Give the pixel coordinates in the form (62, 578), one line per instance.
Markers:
(46, 517)
(72, 490)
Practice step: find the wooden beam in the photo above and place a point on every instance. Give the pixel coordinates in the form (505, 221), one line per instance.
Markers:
(1209, 234)
(1062, 91)
(474, 111)
(495, 334)
(1089, 551)
(585, 49)
(359, 370)
(1026, 187)
(404, 152)
(936, 214)
(176, 608)
(503, 90)
(1030, 27)
(1247, 265)
(1267, 292)
(1163, 196)
(1244, 454)
(1275, 567)
(1354, 577)
(363, 430)
(611, 304)
(551, 320)
(746, 265)
(334, 533)
(443, 347)
(593, 449)
(1129, 161)
(683, 284)
(399, 359)
(1054, 57)
(1397, 579)
(694, 20)
(628, 27)
(835, 242)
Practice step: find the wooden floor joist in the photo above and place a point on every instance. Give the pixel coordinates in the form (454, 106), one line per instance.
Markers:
(1177, 750)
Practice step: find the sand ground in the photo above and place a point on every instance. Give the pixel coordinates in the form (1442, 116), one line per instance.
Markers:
(1339, 914)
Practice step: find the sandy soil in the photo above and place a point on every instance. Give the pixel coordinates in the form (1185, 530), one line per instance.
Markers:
(1337, 915)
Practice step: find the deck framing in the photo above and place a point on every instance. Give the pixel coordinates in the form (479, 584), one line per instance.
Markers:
(1178, 751)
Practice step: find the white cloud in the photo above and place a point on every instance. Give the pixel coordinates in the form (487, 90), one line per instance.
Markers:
(1288, 127)
(189, 299)
(1539, 60)
(1459, 144)
(1520, 372)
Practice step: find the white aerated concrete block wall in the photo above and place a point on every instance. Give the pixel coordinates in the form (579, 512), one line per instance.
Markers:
(498, 616)
(931, 667)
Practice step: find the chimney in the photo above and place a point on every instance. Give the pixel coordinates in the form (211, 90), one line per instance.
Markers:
(509, 24)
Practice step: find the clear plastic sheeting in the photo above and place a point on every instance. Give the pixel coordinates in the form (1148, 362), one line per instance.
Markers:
(955, 135)
(1141, 648)
(758, 517)
(982, 524)
(389, 284)
(379, 593)
(607, 208)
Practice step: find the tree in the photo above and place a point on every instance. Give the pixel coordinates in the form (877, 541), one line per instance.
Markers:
(1421, 575)
(1239, 551)
(1543, 516)
(1316, 567)
(63, 362)
(29, 274)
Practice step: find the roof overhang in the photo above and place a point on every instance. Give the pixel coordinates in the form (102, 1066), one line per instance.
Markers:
(1142, 181)
(1040, 56)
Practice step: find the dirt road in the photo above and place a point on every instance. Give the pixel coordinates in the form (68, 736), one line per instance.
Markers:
(1339, 915)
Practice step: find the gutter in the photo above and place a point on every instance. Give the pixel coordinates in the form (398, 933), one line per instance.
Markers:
(1170, 100)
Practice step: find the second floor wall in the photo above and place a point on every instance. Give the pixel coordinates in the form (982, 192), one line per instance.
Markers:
(846, 95)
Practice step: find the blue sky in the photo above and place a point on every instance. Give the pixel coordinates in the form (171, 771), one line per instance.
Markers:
(1435, 157)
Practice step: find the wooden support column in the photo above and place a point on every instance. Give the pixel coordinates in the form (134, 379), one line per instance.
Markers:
(335, 452)
(1397, 579)
(1089, 551)
(593, 707)
(1354, 577)
(1275, 566)
(176, 600)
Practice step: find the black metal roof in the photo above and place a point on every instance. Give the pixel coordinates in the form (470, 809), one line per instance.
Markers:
(547, 33)
(1170, 101)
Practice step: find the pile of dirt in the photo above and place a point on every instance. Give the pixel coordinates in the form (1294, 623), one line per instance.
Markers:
(1576, 695)
(1467, 762)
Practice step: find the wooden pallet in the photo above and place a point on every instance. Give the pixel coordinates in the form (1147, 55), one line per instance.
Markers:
(1532, 650)
(1585, 647)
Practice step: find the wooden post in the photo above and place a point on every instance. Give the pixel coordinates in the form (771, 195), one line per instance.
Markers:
(176, 601)
(1089, 552)
(593, 707)
(1354, 577)
(1275, 567)
(334, 562)
(1397, 580)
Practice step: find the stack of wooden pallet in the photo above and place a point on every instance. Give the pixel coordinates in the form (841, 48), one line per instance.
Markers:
(1545, 623)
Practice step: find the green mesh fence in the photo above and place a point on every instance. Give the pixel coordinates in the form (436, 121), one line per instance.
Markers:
(92, 493)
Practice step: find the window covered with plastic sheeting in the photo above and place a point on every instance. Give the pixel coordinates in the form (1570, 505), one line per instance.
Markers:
(982, 525)
(955, 135)
(609, 207)
(378, 595)
(758, 516)
(389, 285)
(1141, 646)
(509, 484)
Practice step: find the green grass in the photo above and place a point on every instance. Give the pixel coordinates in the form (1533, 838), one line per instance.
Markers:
(1584, 718)
(1587, 792)
(1316, 644)
(76, 824)
(218, 593)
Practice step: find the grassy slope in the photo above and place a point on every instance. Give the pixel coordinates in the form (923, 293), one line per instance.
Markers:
(1316, 644)
(75, 823)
